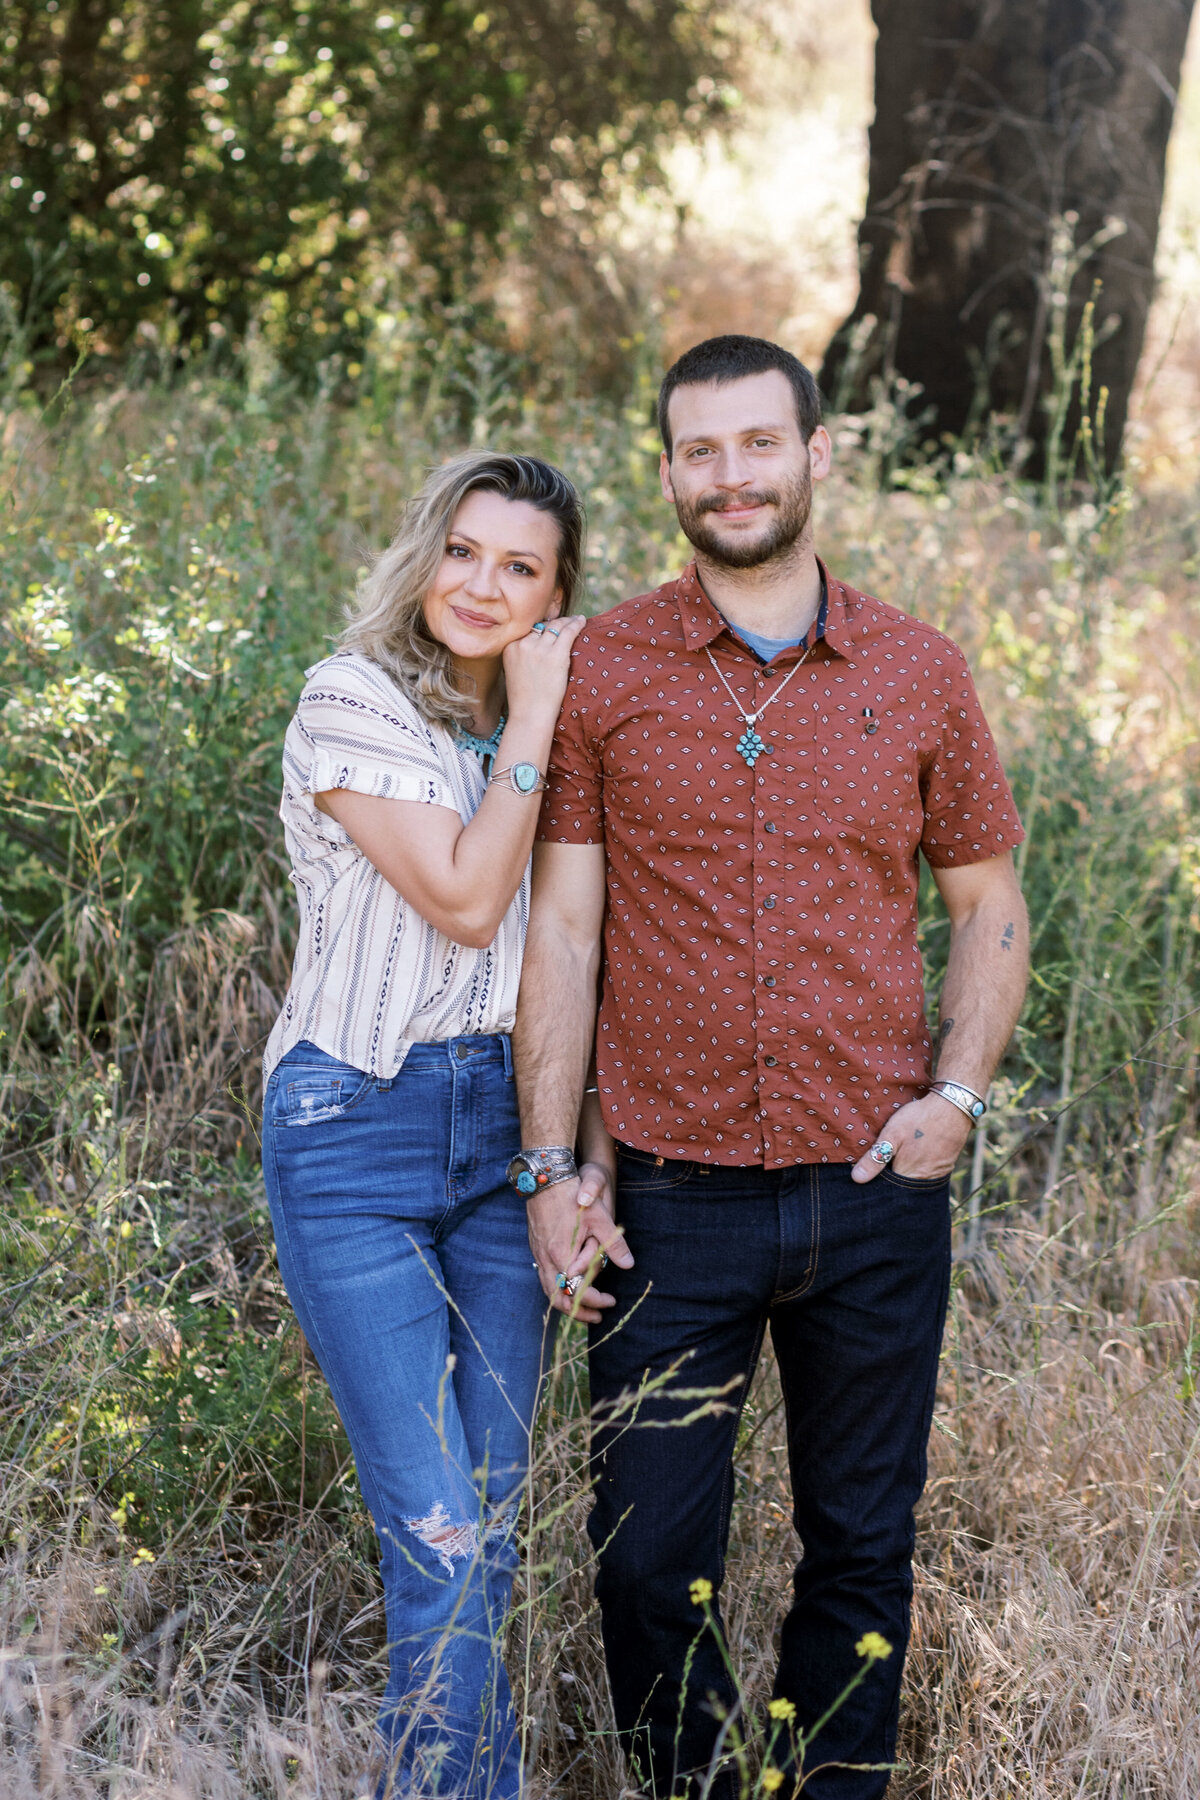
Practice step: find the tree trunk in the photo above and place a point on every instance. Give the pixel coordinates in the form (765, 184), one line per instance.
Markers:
(1017, 159)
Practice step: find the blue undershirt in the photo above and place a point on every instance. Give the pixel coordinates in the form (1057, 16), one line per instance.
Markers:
(765, 648)
(768, 648)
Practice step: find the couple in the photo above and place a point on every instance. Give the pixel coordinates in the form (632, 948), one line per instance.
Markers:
(739, 770)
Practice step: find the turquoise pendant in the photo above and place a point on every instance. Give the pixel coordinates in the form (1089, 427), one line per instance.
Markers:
(750, 746)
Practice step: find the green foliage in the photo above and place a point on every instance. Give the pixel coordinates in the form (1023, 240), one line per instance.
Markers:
(191, 1406)
(194, 168)
(150, 654)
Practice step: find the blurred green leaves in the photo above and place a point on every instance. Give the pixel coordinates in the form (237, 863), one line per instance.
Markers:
(191, 168)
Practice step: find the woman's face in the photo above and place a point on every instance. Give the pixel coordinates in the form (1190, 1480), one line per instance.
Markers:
(498, 577)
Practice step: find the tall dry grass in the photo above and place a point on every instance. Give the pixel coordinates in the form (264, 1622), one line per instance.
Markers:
(188, 1600)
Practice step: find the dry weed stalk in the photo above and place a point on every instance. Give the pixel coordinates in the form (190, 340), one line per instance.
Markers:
(1057, 1619)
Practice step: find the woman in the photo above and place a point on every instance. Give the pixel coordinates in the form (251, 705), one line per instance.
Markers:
(412, 774)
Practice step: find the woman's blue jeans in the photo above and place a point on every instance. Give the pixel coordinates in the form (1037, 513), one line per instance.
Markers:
(406, 1259)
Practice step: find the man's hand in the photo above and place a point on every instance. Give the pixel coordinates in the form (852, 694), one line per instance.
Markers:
(980, 1000)
(570, 1230)
(926, 1137)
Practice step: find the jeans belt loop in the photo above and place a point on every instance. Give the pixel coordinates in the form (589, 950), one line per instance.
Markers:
(506, 1045)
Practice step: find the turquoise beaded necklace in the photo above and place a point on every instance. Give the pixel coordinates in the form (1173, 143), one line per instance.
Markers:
(485, 748)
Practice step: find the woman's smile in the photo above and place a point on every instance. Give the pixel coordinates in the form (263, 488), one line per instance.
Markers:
(483, 620)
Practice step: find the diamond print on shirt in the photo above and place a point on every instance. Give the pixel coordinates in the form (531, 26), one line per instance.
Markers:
(763, 998)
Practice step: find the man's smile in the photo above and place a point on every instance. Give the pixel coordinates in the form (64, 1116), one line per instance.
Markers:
(744, 507)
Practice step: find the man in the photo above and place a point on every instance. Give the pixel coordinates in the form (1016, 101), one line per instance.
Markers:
(747, 763)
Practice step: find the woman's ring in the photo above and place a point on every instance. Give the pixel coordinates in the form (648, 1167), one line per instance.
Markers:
(883, 1153)
(567, 1284)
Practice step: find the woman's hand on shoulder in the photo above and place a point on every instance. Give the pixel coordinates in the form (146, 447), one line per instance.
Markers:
(537, 666)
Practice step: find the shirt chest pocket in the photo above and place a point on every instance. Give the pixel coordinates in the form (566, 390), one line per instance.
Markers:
(868, 788)
(315, 1097)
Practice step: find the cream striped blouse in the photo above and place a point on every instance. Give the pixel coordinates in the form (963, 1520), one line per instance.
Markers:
(371, 976)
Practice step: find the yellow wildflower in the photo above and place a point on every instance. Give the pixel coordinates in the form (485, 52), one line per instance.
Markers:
(772, 1780)
(701, 1591)
(782, 1709)
(873, 1646)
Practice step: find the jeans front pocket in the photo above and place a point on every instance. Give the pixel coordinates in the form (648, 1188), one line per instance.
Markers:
(312, 1095)
(917, 1184)
(641, 1172)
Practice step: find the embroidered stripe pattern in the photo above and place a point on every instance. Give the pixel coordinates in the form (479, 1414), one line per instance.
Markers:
(371, 976)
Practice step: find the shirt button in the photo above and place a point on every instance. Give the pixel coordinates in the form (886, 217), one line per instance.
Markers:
(768, 828)
(769, 903)
(770, 1061)
(768, 981)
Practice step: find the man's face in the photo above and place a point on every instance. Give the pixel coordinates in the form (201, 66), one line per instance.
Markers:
(740, 475)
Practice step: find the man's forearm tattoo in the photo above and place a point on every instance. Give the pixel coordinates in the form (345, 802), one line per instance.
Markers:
(1008, 936)
(944, 1030)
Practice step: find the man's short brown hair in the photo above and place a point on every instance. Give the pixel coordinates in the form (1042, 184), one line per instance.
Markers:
(730, 358)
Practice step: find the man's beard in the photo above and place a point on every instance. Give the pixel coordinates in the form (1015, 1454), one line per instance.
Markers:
(794, 504)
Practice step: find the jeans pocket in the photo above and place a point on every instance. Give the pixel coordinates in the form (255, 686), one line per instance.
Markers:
(928, 1184)
(315, 1096)
(641, 1172)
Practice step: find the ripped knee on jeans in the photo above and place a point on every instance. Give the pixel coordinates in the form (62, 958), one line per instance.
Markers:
(451, 1542)
(503, 1519)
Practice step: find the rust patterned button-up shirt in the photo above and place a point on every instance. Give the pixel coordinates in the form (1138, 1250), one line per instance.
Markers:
(762, 1000)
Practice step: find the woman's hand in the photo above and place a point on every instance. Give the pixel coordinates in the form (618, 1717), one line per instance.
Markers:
(596, 1201)
(536, 668)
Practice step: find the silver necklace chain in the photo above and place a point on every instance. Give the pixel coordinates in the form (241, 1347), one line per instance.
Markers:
(750, 746)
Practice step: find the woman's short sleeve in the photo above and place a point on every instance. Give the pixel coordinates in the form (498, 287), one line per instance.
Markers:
(354, 729)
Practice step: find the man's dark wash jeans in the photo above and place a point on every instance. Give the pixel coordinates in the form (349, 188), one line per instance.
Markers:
(852, 1281)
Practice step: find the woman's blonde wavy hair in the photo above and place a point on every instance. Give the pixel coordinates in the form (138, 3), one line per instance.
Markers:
(387, 618)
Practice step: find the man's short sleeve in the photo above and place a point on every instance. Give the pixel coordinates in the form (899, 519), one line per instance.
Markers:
(573, 809)
(970, 814)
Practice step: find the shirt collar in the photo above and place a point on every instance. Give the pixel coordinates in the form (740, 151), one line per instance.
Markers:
(839, 616)
(702, 623)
